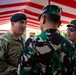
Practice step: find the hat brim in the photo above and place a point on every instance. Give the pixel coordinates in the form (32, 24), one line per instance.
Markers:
(71, 25)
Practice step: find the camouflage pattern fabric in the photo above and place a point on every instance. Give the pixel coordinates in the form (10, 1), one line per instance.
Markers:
(47, 54)
(10, 48)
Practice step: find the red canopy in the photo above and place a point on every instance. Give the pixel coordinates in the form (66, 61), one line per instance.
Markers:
(32, 8)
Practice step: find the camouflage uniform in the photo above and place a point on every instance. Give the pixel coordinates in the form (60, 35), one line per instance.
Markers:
(47, 54)
(10, 48)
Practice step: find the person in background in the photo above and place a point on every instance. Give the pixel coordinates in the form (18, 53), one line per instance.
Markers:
(48, 53)
(71, 31)
(11, 44)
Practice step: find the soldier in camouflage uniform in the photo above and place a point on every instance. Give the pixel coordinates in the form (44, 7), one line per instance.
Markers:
(71, 31)
(11, 44)
(48, 53)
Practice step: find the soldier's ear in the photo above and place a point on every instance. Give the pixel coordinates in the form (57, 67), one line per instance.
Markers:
(12, 23)
(44, 19)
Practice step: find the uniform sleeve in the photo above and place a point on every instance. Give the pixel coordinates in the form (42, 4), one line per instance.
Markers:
(27, 59)
(5, 68)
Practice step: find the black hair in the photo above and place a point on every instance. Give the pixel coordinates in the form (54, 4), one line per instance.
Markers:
(52, 17)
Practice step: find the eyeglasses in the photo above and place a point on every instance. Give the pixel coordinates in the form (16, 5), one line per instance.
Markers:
(71, 29)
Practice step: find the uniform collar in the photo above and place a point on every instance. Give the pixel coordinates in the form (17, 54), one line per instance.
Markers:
(52, 31)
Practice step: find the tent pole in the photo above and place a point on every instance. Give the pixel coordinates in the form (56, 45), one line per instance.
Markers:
(49, 2)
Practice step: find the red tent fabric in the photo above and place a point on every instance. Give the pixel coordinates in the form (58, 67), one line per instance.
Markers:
(32, 8)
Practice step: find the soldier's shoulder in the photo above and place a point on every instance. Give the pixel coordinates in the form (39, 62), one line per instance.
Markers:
(66, 42)
(32, 39)
(4, 37)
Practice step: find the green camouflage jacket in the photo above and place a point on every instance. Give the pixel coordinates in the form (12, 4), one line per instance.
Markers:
(47, 54)
(10, 48)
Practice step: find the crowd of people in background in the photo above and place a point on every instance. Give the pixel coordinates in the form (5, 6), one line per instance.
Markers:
(48, 53)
